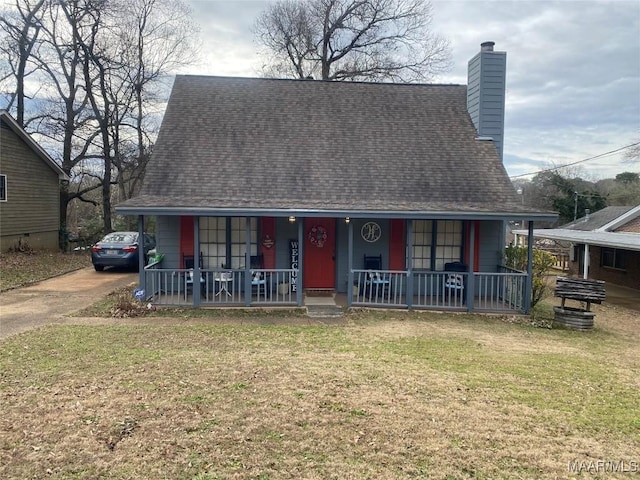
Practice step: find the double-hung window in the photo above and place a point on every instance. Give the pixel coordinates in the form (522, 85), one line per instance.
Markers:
(612, 258)
(448, 242)
(422, 241)
(435, 243)
(223, 241)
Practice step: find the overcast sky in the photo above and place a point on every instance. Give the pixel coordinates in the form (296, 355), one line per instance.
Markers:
(573, 70)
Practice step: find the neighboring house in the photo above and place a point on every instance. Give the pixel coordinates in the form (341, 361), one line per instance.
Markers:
(609, 239)
(29, 190)
(376, 191)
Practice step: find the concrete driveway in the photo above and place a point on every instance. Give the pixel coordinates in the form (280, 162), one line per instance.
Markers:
(50, 301)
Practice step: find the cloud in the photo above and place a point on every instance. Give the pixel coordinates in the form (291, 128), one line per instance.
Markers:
(573, 75)
(226, 32)
(573, 70)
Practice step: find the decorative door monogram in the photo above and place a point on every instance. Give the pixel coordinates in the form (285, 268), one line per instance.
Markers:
(371, 232)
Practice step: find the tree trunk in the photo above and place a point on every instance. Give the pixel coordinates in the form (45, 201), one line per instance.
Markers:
(63, 239)
(106, 195)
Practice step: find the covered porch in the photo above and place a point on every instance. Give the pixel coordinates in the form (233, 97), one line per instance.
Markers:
(438, 262)
(494, 292)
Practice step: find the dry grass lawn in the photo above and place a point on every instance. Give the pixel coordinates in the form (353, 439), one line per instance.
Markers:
(18, 269)
(389, 395)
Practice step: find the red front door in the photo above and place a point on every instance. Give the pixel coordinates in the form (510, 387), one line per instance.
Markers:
(319, 253)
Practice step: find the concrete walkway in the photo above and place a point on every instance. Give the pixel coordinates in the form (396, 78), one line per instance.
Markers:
(50, 301)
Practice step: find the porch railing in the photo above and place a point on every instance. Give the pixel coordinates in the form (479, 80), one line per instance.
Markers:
(380, 288)
(175, 287)
(440, 290)
(500, 291)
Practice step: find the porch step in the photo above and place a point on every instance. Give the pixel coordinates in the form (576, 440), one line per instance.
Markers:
(324, 311)
(322, 306)
(320, 292)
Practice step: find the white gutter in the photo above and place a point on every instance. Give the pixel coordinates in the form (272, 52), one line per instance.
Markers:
(627, 241)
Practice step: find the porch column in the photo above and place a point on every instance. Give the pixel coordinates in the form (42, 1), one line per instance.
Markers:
(409, 264)
(142, 276)
(471, 281)
(350, 266)
(585, 262)
(528, 282)
(247, 263)
(301, 265)
(197, 274)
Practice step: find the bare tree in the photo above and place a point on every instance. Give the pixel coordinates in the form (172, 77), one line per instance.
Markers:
(633, 153)
(352, 40)
(102, 66)
(63, 116)
(156, 36)
(21, 28)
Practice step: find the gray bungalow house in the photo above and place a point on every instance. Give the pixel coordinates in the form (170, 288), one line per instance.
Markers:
(391, 194)
(29, 189)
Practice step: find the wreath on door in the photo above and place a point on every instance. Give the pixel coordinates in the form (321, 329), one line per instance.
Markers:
(318, 235)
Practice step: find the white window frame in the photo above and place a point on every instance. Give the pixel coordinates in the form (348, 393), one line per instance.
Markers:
(223, 241)
(422, 244)
(447, 247)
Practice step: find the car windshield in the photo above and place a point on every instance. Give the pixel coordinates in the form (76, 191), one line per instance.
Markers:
(119, 237)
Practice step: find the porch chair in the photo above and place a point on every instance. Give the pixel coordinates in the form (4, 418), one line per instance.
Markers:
(188, 261)
(454, 284)
(375, 281)
(258, 278)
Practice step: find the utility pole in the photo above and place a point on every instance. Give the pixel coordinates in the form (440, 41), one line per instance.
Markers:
(575, 208)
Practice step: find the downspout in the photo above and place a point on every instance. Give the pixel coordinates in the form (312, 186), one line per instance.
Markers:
(350, 266)
(301, 265)
(585, 263)
(529, 279)
(197, 274)
(471, 288)
(143, 274)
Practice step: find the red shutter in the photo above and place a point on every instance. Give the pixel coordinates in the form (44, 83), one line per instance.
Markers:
(268, 228)
(396, 245)
(186, 236)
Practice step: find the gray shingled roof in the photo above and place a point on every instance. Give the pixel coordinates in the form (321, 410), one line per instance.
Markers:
(597, 219)
(590, 230)
(228, 143)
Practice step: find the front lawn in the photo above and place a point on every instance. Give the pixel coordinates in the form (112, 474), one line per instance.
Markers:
(18, 269)
(390, 395)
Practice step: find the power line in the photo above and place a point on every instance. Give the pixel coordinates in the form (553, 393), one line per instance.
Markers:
(575, 163)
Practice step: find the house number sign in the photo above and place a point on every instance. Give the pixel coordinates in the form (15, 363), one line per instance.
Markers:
(371, 232)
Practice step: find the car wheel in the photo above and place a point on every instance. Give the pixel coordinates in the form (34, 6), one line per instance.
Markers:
(99, 268)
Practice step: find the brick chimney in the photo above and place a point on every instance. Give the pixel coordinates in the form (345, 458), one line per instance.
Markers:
(486, 86)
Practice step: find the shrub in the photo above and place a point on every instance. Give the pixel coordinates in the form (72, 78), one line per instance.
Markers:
(125, 305)
(516, 258)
